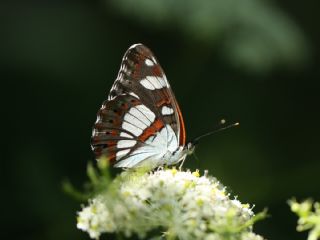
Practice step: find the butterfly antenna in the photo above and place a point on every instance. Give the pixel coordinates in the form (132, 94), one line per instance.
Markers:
(196, 140)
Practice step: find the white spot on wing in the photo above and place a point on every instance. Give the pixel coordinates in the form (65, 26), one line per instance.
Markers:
(133, 94)
(155, 82)
(166, 110)
(145, 83)
(135, 159)
(98, 119)
(133, 129)
(158, 150)
(135, 112)
(111, 97)
(93, 132)
(134, 121)
(123, 134)
(172, 139)
(126, 143)
(147, 112)
(121, 153)
(165, 141)
(149, 62)
(163, 81)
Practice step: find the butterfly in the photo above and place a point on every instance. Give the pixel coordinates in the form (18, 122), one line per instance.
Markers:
(140, 123)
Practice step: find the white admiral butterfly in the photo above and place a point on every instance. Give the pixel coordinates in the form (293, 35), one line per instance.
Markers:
(141, 122)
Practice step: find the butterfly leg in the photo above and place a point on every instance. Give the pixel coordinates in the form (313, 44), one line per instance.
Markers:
(182, 162)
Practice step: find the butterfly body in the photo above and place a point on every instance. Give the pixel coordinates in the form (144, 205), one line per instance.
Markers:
(140, 123)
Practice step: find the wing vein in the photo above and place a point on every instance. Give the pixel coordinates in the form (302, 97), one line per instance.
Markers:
(138, 119)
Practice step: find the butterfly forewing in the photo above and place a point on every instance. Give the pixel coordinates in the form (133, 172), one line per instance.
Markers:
(140, 106)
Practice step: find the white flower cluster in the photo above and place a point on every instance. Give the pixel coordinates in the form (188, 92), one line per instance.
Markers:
(180, 205)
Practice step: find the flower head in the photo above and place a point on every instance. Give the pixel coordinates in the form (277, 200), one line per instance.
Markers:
(183, 204)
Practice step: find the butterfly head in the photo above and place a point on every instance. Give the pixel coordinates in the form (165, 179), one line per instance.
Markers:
(189, 148)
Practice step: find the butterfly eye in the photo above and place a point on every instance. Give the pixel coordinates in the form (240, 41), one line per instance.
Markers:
(115, 110)
(110, 121)
(133, 100)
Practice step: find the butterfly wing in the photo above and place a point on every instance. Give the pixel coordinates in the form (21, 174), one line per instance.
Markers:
(141, 119)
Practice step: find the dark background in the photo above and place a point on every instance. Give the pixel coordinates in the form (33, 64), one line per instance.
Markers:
(252, 61)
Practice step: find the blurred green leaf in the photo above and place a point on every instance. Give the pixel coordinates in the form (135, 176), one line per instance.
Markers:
(99, 180)
(255, 35)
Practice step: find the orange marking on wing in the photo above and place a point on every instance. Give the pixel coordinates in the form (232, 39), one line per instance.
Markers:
(137, 70)
(156, 70)
(112, 132)
(182, 127)
(104, 150)
(154, 127)
(163, 101)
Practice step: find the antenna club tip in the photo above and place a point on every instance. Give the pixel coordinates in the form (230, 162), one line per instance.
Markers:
(237, 124)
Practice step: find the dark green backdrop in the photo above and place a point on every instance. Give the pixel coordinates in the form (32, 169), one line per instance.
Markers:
(256, 62)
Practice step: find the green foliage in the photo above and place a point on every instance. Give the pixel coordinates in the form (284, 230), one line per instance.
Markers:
(99, 180)
(254, 35)
(309, 217)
